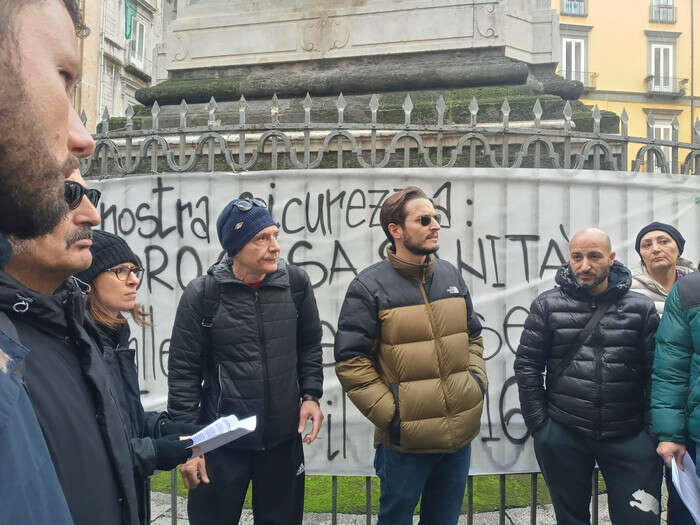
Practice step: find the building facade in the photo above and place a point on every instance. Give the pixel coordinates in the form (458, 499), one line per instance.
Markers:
(115, 67)
(634, 54)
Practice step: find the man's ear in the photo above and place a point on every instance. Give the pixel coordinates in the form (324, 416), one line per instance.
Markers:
(612, 258)
(395, 230)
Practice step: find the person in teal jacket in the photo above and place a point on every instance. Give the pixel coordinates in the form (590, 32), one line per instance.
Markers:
(675, 392)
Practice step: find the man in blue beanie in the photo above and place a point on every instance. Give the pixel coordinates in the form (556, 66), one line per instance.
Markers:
(247, 341)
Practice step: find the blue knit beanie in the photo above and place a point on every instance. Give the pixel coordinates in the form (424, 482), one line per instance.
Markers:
(236, 227)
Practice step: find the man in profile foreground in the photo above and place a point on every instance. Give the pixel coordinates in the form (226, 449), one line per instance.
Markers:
(41, 137)
(65, 376)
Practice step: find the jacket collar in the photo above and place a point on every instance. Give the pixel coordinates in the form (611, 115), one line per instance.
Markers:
(619, 282)
(641, 274)
(419, 272)
(223, 273)
(60, 311)
(117, 337)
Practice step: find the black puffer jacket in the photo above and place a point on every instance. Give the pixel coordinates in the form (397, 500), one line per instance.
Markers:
(604, 392)
(61, 317)
(258, 358)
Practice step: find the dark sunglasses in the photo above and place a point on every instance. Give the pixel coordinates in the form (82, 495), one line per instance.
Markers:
(247, 204)
(122, 272)
(74, 193)
(425, 220)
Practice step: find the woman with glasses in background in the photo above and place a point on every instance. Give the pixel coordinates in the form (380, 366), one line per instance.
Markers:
(113, 278)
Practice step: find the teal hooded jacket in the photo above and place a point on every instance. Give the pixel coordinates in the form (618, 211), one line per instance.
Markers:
(675, 391)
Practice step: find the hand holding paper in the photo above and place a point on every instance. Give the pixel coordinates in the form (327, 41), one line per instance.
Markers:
(222, 431)
(687, 484)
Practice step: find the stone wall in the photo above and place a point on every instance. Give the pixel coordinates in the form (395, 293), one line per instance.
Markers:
(223, 33)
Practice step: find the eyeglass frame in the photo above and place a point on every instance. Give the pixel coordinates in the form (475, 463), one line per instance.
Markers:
(136, 270)
(92, 194)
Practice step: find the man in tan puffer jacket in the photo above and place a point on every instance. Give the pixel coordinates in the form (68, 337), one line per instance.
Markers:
(409, 355)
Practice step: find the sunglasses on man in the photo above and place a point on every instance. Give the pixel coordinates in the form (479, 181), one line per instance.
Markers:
(247, 204)
(74, 193)
(425, 220)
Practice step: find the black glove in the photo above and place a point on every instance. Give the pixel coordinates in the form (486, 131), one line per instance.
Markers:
(168, 427)
(171, 451)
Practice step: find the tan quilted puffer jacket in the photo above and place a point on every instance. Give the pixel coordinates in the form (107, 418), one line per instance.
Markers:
(409, 355)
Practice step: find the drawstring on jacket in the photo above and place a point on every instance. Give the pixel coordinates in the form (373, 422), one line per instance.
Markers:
(22, 305)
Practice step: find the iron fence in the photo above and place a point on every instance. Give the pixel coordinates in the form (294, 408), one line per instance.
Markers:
(273, 144)
(218, 146)
(469, 514)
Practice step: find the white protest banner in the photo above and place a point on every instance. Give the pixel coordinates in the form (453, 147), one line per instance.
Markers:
(506, 230)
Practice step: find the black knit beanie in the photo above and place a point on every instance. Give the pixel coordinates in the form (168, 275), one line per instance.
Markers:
(660, 226)
(108, 251)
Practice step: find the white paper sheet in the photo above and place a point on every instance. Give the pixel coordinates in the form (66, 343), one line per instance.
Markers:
(687, 484)
(222, 431)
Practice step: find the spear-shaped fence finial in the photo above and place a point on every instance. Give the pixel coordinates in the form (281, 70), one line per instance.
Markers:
(473, 111)
(155, 112)
(407, 109)
(275, 110)
(373, 107)
(341, 105)
(182, 112)
(212, 106)
(441, 107)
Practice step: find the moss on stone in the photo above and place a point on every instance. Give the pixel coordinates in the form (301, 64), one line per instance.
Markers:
(140, 110)
(193, 91)
(230, 89)
(119, 123)
(457, 107)
(609, 121)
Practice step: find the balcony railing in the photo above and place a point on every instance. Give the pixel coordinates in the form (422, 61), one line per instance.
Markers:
(587, 78)
(573, 7)
(143, 69)
(662, 85)
(662, 14)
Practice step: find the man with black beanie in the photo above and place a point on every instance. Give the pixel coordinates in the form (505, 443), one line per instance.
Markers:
(247, 341)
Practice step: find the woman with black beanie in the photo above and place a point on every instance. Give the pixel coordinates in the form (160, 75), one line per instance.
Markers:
(660, 247)
(155, 439)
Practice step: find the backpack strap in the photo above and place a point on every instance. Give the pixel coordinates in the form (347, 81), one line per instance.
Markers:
(210, 300)
(297, 286)
(210, 303)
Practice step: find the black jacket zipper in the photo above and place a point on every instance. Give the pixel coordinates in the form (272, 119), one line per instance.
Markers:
(598, 378)
(263, 351)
